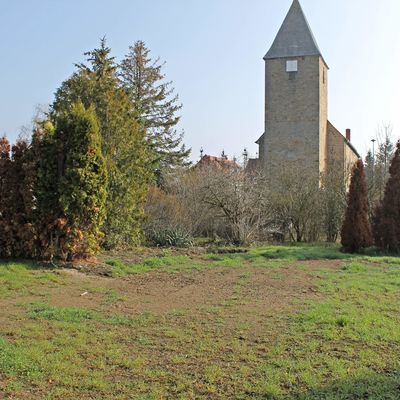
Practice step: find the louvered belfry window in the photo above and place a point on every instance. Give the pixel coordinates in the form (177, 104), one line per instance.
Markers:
(291, 66)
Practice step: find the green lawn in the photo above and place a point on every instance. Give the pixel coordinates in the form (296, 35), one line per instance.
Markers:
(278, 322)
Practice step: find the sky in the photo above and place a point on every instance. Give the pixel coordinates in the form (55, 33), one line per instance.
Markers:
(213, 51)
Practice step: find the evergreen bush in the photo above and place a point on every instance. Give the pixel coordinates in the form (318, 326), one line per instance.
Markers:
(356, 230)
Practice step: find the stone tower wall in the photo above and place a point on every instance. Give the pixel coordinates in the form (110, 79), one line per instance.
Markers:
(295, 114)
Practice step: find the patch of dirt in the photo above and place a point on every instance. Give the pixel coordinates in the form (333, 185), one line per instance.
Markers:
(244, 296)
(259, 291)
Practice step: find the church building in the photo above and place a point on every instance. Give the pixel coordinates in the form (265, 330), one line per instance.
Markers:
(297, 129)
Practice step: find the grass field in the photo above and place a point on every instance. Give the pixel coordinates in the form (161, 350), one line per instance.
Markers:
(294, 322)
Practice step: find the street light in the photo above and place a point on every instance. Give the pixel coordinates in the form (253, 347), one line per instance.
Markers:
(373, 152)
(245, 156)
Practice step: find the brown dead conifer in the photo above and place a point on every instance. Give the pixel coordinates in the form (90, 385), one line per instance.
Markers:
(356, 230)
(387, 215)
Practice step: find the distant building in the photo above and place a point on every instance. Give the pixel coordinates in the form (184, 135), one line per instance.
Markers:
(219, 162)
(297, 129)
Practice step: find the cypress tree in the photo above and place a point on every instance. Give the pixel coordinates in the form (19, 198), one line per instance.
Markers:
(387, 215)
(82, 180)
(46, 191)
(356, 229)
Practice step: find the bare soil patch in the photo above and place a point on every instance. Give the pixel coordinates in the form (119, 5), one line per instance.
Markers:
(259, 290)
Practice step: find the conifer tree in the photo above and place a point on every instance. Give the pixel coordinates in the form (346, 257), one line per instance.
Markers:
(82, 182)
(124, 145)
(356, 229)
(387, 215)
(21, 182)
(17, 203)
(46, 192)
(156, 105)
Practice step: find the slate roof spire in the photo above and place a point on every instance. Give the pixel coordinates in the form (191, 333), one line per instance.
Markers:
(294, 38)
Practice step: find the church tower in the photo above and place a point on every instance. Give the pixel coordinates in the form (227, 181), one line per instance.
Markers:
(296, 78)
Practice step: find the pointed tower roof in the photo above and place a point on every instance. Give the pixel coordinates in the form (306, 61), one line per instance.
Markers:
(294, 38)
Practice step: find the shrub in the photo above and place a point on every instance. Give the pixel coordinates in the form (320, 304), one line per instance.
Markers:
(17, 178)
(5, 167)
(167, 221)
(176, 237)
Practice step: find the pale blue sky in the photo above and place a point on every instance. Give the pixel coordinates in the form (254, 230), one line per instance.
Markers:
(214, 51)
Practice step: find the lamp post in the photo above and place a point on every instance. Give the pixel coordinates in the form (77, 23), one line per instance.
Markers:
(373, 153)
(245, 156)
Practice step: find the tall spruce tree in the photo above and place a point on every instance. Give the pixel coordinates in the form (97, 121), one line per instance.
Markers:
(356, 229)
(387, 215)
(124, 144)
(156, 105)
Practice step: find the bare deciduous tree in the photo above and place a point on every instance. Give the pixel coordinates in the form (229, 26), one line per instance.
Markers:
(241, 200)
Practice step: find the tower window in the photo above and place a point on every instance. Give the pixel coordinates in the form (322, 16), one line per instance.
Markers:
(291, 66)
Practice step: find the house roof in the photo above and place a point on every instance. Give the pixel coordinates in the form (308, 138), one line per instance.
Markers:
(217, 161)
(295, 38)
